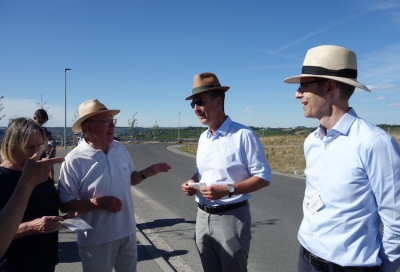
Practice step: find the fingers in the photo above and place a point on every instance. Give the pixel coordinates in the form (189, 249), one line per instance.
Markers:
(51, 227)
(188, 190)
(35, 156)
(110, 203)
(161, 167)
(54, 160)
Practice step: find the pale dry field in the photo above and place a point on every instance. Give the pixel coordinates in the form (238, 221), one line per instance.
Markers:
(284, 153)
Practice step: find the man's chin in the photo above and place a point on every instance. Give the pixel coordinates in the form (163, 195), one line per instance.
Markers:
(204, 121)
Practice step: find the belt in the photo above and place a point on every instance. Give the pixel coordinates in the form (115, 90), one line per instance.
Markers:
(221, 209)
(326, 266)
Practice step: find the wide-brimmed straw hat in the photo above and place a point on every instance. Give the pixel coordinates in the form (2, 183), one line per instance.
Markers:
(332, 62)
(88, 109)
(205, 82)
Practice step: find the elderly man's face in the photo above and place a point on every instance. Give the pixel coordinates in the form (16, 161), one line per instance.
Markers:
(100, 128)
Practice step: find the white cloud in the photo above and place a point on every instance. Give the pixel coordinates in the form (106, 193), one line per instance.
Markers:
(382, 87)
(381, 98)
(394, 104)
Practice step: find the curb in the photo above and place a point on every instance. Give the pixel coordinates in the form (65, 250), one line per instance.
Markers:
(164, 264)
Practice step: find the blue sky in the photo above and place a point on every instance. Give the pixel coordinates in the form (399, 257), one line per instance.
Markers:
(141, 56)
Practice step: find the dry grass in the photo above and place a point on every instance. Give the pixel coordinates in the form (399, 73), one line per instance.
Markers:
(284, 153)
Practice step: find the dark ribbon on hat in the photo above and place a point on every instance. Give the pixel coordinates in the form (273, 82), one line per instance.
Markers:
(203, 88)
(316, 70)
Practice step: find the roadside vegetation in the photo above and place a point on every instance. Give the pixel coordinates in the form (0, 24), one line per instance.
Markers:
(285, 152)
(282, 146)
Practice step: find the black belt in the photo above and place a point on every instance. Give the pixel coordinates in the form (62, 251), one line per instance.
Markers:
(326, 266)
(221, 209)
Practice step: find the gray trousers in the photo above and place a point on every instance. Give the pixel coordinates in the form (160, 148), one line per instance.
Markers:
(223, 240)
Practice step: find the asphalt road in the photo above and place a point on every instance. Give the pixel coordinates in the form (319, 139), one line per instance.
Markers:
(167, 216)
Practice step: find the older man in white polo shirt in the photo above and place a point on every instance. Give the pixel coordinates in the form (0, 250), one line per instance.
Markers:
(95, 181)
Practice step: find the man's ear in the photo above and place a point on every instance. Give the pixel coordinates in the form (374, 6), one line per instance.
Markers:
(218, 99)
(86, 126)
(332, 87)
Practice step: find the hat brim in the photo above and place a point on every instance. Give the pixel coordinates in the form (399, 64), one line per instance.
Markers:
(222, 88)
(77, 127)
(349, 81)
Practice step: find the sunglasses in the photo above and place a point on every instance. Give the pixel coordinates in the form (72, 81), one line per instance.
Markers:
(199, 103)
(303, 86)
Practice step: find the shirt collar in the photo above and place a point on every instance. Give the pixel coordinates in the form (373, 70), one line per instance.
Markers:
(222, 130)
(342, 126)
(90, 150)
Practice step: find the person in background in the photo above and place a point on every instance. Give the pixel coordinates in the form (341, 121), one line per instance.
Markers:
(35, 242)
(230, 165)
(40, 117)
(352, 170)
(95, 180)
(51, 152)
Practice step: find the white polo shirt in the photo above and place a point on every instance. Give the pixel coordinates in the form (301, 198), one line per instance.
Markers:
(87, 173)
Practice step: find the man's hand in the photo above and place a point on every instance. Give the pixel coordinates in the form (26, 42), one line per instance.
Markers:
(214, 191)
(109, 203)
(155, 169)
(36, 171)
(189, 190)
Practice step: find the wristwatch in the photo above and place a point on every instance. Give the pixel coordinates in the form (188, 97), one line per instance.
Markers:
(231, 189)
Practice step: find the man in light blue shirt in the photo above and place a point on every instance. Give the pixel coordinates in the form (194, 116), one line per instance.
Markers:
(352, 170)
(230, 165)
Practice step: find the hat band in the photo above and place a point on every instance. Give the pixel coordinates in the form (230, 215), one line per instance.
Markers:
(316, 70)
(202, 88)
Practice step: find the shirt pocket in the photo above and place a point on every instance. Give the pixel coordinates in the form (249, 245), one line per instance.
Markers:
(124, 171)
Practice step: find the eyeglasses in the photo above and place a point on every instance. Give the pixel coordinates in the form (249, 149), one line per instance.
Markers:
(199, 103)
(106, 123)
(303, 86)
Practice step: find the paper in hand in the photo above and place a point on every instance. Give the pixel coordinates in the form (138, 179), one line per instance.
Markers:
(75, 224)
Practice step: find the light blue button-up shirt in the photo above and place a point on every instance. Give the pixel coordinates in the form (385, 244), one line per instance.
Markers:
(355, 170)
(234, 153)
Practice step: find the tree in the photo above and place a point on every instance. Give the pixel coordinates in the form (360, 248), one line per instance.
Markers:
(43, 105)
(1, 108)
(156, 128)
(132, 124)
(76, 117)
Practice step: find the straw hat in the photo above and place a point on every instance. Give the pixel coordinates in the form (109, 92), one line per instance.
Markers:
(206, 82)
(332, 62)
(88, 109)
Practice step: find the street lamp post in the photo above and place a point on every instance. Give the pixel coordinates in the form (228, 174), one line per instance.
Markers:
(179, 126)
(65, 106)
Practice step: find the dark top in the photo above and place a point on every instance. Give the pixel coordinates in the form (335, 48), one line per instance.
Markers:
(38, 252)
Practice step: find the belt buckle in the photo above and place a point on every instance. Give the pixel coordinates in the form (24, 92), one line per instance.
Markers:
(314, 262)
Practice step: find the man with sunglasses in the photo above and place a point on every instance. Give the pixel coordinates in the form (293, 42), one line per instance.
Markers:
(95, 181)
(353, 173)
(230, 165)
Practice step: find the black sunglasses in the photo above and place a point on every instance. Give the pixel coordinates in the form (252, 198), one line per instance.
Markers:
(199, 103)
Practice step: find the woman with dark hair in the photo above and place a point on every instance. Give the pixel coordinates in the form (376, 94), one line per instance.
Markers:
(35, 244)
